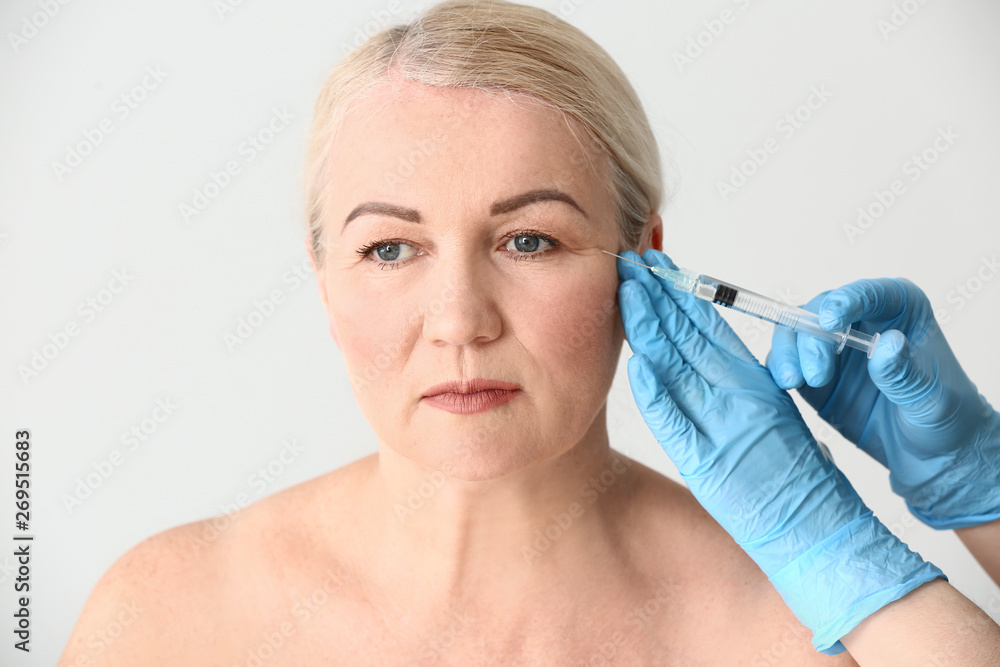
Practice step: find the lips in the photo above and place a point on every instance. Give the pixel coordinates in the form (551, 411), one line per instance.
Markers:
(470, 387)
(471, 396)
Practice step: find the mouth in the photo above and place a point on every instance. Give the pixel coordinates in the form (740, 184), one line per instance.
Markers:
(472, 386)
(471, 396)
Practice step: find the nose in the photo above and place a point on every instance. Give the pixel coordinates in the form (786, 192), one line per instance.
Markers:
(461, 308)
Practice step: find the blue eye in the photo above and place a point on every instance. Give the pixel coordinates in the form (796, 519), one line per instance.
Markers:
(528, 243)
(388, 252)
(392, 253)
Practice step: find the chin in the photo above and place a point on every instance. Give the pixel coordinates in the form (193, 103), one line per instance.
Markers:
(483, 456)
(483, 466)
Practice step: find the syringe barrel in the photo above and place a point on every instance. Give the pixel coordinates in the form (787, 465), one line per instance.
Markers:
(772, 310)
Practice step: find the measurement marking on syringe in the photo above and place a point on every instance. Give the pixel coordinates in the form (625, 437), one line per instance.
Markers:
(757, 305)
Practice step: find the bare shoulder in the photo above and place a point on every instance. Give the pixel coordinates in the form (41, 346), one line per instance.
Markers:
(142, 602)
(198, 589)
(730, 611)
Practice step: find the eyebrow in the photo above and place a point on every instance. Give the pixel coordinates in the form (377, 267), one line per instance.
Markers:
(496, 208)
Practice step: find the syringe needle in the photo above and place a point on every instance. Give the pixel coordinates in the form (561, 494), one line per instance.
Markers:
(682, 281)
(628, 260)
(730, 296)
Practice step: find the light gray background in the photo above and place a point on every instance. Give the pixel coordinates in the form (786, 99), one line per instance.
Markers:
(162, 337)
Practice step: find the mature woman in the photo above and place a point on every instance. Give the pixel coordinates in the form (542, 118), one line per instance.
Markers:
(465, 173)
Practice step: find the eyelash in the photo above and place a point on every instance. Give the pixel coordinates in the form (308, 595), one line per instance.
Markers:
(367, 250)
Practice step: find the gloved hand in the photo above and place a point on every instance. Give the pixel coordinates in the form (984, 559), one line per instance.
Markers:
(741, 445)
(913, 409)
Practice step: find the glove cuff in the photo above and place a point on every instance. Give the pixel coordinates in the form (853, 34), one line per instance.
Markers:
(848, 576)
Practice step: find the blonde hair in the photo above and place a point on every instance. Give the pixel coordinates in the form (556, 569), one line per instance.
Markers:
(496, 45)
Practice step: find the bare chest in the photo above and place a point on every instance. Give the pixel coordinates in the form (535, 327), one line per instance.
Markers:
(657, 627)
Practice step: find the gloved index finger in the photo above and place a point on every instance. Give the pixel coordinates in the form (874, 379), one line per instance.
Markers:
(878, 299)
(699, 352)
(674, 323)
(702, 314)
(627, 269)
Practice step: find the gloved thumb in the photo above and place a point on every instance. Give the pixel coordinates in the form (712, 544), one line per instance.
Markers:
(899, 374)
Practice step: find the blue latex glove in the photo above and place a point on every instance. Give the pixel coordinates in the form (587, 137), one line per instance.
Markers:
(913, 409)
(741, 445)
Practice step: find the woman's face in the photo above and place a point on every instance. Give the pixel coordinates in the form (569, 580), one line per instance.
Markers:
(463, 243)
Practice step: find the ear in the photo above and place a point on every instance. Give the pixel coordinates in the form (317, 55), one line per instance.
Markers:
(321, 284)
(652, 235)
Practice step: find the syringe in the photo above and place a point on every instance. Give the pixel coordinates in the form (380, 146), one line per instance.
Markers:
(762, 307)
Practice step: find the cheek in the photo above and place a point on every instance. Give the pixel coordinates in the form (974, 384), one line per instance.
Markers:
(569, 325)
(371, 337)
(574, 324)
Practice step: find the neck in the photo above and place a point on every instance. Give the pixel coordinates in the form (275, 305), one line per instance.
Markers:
(519, 529)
